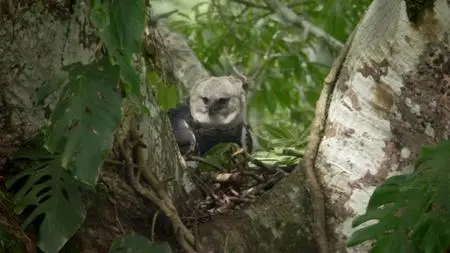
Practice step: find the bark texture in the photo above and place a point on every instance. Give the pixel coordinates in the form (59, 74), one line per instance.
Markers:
(391, 98)
(37, 40)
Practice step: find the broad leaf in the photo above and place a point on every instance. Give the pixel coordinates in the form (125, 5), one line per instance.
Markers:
(412, 211)
(85, 118)
(166, 95)
(219, 155)
(54, 193)
(121, 25)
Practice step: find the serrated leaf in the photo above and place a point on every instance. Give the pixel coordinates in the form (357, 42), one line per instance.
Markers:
(55, 193)
(84, 120)
(137, 244)
(120, 25)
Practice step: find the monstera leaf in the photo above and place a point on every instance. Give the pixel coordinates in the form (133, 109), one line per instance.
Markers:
(54, 194)
(85, 117)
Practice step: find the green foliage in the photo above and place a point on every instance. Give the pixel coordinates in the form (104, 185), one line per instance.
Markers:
(289, 63)
(120, 25)
(81, 128)
(166, 96)
(412, 210)
(137, 244)
(219, 155)
(54, 193)
(87, 112)
(280, 156)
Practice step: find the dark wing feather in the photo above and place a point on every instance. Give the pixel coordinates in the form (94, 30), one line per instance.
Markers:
(247, 138)
(191, 137)
(185, 137)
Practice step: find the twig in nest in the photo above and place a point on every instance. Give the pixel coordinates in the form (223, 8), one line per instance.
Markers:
(253, 175)
(201, 184)
(204, 161)
(261, 187)
(240, 199)
(227, 177)
(264, 166)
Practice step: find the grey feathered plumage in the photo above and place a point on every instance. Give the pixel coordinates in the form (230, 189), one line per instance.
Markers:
(215, 114)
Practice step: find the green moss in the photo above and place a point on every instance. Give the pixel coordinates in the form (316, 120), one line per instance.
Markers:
(416, 8)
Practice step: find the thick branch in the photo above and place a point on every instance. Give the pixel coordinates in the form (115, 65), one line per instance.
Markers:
(179, 61)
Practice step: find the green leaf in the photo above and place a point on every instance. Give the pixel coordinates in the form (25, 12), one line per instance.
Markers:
(37, 152)
(137, 244)
(278, 132)
(270, 102)
(166, 96)
(120, 24)
(84, 120)
(219, 155)
(55, 193)
(49, 87)
(411, 210)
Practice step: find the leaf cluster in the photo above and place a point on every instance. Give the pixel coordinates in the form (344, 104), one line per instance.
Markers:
(288, 63)
(67, 156)
(411, 211)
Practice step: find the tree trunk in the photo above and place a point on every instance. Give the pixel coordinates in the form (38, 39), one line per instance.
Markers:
(37, 40)
(389, 99)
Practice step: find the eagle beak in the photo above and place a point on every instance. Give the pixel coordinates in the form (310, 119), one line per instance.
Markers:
(213, 108)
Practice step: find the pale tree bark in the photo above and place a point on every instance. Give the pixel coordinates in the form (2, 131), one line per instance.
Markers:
(390, 97)
(380, 112)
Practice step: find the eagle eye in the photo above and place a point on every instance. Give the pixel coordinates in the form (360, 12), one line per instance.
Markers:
(205, 100)
(223, 100)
